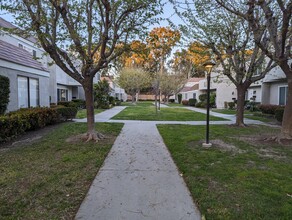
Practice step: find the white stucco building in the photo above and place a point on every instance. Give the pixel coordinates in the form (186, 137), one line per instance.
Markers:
(33, 82)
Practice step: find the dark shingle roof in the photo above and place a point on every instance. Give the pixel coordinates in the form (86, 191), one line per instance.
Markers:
(7, 25)
(18, 55)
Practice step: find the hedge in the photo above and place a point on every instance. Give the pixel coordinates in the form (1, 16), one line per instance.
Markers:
(4, 93)
(179, 97)
(18, 122)
(203, 97)
(192, 102)
(279, 112)
(231, 105)
(201, 105)
(185, 102)
(268, 109)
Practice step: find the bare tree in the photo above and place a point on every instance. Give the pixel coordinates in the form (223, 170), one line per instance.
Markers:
(270, 22)
(94, 31)
(231, 41)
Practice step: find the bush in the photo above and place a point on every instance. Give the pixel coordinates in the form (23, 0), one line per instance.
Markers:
(36, 117)
(203, 97)
(185, 102)
(79, 103)
(171, 100)
(17, 122)
(201, 105)
(66, 113)
(268, 109)
(192, 102)
(231, 105)
(64, 103)
(279, 112)
(4, 94)
(111, 100)
(213, 99)
(117, 102)
(179, 97)
(11, 126)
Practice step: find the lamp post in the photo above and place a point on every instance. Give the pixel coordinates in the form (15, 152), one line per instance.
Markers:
(208, 66)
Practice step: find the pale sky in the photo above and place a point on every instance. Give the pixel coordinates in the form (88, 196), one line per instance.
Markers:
(168, 13)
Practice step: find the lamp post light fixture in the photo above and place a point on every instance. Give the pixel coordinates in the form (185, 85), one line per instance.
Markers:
(208, 66)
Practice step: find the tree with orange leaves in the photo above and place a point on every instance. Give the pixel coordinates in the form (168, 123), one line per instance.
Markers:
(160, 41)
(189, 61)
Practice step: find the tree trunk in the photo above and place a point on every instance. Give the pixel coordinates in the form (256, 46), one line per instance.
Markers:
(133, 94)
(240, 106)
(287, 117)
(156, 106)
(88, 90)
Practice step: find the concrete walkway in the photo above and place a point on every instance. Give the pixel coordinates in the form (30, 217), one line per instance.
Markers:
(139, 179)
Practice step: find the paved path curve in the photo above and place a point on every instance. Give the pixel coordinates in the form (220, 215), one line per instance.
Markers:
(139, 179)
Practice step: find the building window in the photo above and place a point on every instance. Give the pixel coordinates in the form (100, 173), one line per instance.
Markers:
(194, 95)
(28, 92)
(62, 95)
(34, 54)
(186, 96)
(283, 95)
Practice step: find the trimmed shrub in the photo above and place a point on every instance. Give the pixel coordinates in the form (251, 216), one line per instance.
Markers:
(16, 123)
(213, 99)
(185, 102)
(36, 117)
(201, 105)
(279, 112)
(79, 103)
(111, 100)
(117, 102)
(203, 97)
(179, 97)
(171, 100)
(268, 109)
(4, 93)
(66, 113)
(64, 103)
(11, 126)
(231, 105)
(192, 102)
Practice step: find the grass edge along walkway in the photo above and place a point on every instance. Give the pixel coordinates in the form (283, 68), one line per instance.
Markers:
(235, 178)
(147, 113)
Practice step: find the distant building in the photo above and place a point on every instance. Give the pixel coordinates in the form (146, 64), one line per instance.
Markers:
(116, 90)
(33, 82)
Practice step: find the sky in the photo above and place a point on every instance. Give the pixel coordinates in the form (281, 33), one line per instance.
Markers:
(168, 13)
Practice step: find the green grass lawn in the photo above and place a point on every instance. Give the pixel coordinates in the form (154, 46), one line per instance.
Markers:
(49, 179)
(238, 178)
(261, 117)
(140, 103)
(82, 113)
(230, 111)
(175, 105)
(148, 113)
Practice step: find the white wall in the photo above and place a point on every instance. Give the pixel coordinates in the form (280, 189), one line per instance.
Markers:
(27, 45)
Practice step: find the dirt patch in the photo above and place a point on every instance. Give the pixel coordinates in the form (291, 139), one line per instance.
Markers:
(79, 138)
(226, 147)
(270, 153)
(218, 144)
(265, 140)
(29, 137)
